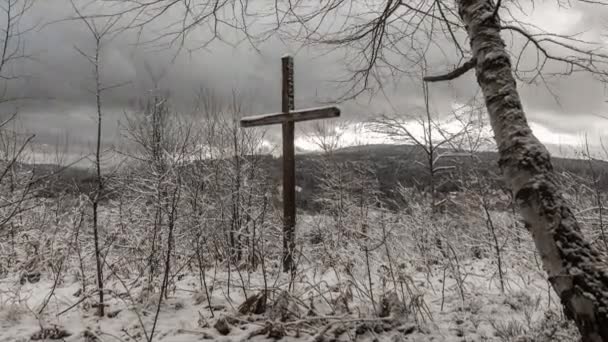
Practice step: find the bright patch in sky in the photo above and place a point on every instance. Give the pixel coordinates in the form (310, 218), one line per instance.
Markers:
(559, 144)
(548, 136)
(554, 19)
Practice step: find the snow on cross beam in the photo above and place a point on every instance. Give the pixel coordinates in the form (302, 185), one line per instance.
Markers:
(291, 116)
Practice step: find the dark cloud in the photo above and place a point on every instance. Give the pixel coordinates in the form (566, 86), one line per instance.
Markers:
(59, 80)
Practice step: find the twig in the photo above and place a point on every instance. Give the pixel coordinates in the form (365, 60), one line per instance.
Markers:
(73, 305)
(496, 8)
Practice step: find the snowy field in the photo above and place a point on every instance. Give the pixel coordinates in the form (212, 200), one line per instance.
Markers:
(451, 297)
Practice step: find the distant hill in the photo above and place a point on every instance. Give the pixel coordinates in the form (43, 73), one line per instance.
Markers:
(388, 165)
(407, 165)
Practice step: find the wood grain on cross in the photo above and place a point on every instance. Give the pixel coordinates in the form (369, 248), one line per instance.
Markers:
(287, 117)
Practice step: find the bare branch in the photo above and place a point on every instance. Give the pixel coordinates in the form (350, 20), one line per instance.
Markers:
(459, 71)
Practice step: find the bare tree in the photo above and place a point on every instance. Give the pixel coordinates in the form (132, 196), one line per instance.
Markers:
(16, 183)
(434, 140)
(347, 190)
(152, 133)
(597, 190)
(226, 181)
(100, 31)
(478, 180)
(12, 42)
(327, 135)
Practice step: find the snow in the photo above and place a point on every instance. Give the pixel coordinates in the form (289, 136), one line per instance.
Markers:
(270, 115)
(445, 316)
(180, 317)
(260, 116)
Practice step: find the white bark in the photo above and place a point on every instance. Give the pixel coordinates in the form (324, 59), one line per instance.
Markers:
(576, 270)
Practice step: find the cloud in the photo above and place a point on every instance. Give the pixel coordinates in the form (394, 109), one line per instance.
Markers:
(60, 79)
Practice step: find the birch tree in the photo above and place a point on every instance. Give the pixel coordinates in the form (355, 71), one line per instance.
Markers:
(576, 271)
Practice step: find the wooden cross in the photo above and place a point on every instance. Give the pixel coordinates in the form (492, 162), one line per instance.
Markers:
(287, 118)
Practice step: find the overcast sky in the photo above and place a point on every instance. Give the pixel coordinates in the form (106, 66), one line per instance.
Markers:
(60, 105)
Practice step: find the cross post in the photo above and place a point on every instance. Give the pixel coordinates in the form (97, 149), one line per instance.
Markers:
(287, 119)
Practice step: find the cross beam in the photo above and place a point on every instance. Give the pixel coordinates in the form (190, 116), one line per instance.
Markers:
(295, 116)
(287, 118)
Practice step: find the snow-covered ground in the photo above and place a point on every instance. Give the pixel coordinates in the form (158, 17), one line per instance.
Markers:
(434, 309)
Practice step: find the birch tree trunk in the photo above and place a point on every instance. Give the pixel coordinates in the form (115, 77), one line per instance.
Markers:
(576, 270)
